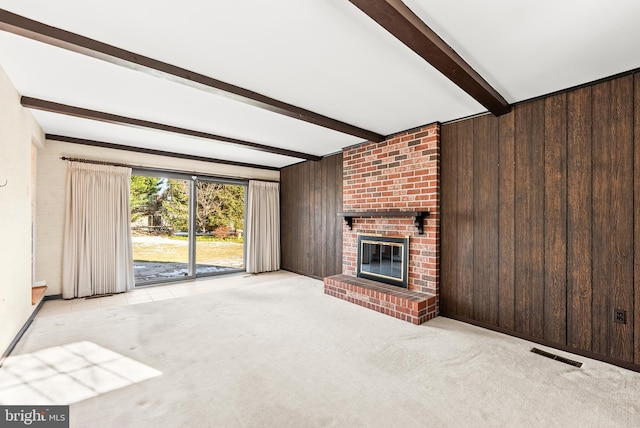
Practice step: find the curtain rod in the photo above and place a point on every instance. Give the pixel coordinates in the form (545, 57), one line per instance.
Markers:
(146, 168)
(96, 162)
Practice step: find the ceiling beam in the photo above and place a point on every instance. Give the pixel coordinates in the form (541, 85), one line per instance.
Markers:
(35, 30)
(94, 143)
(406, 26)
(84, 113)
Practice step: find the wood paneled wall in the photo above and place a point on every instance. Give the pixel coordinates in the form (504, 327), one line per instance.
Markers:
(541, 220)
(311, 232)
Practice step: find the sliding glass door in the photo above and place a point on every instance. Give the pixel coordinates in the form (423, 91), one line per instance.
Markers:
(219, 227)
(185, 226)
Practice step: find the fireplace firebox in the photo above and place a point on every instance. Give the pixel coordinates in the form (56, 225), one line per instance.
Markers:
(384, 259)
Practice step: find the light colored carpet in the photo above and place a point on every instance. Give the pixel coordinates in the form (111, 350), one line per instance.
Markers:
(272, 350)
(66, 374)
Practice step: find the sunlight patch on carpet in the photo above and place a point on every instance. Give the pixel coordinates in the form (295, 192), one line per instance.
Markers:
(67, 374)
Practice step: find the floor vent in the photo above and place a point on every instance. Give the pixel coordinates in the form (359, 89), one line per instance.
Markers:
(556, 357)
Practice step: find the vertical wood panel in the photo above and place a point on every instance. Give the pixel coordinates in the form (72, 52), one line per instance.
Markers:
(334, 223)
(602, 272)
(301, 214)
(613, 216)
(622, 134)
(464, 237)
(568, 248)
(316, 223)
(298, 216)
(306, 213)
(324, 226)
(555, 219)
(311, 195)
(485, 219)
(448, 217)
(636, 222)
(579, 223)
(506, 238)
(285, 209)
(529, 292)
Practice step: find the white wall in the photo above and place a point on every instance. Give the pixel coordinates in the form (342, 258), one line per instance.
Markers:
(18, 130)
(51, 175)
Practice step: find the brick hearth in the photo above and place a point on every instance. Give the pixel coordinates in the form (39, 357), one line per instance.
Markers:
(397, 302)
(401, 173)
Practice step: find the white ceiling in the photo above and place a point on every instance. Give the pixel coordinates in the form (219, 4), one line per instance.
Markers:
(325, 56)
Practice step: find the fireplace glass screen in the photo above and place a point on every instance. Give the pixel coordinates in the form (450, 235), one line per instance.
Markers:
(383, 258)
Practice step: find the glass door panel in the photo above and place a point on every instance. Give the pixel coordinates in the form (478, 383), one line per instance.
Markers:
(160, 228)
(219, 227)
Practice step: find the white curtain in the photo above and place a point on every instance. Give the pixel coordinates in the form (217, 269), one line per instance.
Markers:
(263, 227)
(98, 256)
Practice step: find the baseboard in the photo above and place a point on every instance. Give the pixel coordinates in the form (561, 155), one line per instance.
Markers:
(22, 331)
(302, 273)
(53, 297)
(614, 361)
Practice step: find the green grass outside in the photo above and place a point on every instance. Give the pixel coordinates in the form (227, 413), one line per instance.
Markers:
(207, 238)
(208, 251)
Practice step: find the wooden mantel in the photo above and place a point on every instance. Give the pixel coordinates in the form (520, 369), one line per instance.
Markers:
(418, 217)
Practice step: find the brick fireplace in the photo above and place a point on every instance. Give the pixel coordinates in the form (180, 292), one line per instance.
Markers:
(400, 174)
